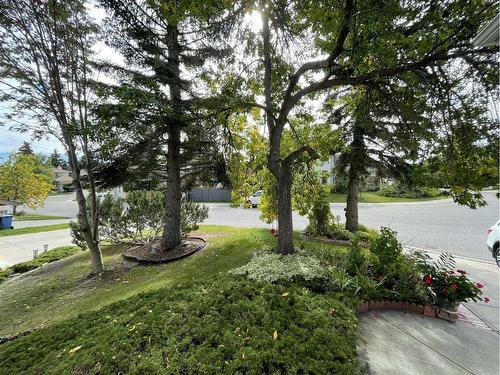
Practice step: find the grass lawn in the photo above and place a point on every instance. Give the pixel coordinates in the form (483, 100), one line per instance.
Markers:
(64, 292)
(187, 317)
(374, 197)
(191, 316)
(43, 228)
(26, 217)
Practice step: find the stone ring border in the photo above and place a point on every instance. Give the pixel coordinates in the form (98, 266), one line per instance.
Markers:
(150, 262)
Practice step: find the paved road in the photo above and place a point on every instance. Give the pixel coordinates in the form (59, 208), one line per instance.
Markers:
(56, 205)
(439, 225)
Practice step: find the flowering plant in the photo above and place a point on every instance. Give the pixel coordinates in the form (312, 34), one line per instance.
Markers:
(449, 286)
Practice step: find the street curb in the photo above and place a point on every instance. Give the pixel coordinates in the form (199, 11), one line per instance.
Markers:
(415, 248)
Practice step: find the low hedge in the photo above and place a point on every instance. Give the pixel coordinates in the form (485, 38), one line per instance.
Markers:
(47, 257)
(400, 191)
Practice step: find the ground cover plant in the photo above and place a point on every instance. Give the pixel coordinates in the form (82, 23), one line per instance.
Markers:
(233, 308)
(219, 326)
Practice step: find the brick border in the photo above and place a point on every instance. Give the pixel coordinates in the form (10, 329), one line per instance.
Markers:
(426, 310)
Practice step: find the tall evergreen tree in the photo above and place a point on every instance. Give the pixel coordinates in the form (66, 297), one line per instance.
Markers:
(398, 129)
(167, 46)
(25, 149)
(57, 161)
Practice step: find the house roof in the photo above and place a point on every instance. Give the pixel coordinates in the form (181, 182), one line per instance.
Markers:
(64, 179)
(489, 36)
(6, 202)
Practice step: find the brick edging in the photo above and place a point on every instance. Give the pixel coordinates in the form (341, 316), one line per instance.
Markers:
(426, 310)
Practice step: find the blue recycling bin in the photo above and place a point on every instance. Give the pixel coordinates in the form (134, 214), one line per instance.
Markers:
(6, 222)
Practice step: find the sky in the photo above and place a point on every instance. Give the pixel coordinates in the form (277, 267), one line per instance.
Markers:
(10, 141)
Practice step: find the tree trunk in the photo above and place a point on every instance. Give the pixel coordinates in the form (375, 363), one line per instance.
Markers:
(357, 159)
(91, 238)
(285, 222)
(14, 210)
(351, 213)
(172, 227)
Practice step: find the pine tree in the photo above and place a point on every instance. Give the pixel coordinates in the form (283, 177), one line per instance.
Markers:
(157, 110)
(25, 149)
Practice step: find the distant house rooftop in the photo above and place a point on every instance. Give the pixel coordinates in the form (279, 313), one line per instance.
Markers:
(489, 36)
(6, 202)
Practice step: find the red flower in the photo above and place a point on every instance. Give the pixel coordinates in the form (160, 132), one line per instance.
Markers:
(486, 299)
(452, 272)
(479, 285)
(462, 272)
(454, 286)
(427, 280)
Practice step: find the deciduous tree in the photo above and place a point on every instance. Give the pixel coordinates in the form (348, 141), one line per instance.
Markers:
(351, 43)
(22, 180)
(44, 72)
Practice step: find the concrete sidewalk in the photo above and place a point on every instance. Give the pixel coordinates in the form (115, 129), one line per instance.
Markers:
(403, 343)
(396, 342)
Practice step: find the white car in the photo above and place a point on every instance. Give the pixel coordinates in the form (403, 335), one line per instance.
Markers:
(493, 241)
(254, 200)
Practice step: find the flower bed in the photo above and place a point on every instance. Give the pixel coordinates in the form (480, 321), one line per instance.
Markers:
(448, 286)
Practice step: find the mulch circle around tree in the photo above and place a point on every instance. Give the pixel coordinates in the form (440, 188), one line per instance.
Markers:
(145, 253)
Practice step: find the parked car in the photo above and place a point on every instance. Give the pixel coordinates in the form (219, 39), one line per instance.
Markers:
(493, 241)
(254, 200)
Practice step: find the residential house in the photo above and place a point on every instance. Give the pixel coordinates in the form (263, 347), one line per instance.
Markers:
(62, 179)
(7, 206)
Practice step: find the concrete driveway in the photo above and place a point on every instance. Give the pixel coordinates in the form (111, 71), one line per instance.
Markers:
(16, 249)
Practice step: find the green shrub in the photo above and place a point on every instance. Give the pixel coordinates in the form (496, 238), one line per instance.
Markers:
(191, 215)
(223, 327)
(340, 186)
(47, 257)
(139, 218)
(5, 273)
(399, 190)
(320, 219)
(387, 249)
(338, 232)
(356, 259)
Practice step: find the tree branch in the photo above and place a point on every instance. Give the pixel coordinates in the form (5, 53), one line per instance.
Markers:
(295, 154)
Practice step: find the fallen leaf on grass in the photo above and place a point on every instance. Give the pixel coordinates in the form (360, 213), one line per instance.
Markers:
(285, 294)
(74, 350)
(275, 335)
